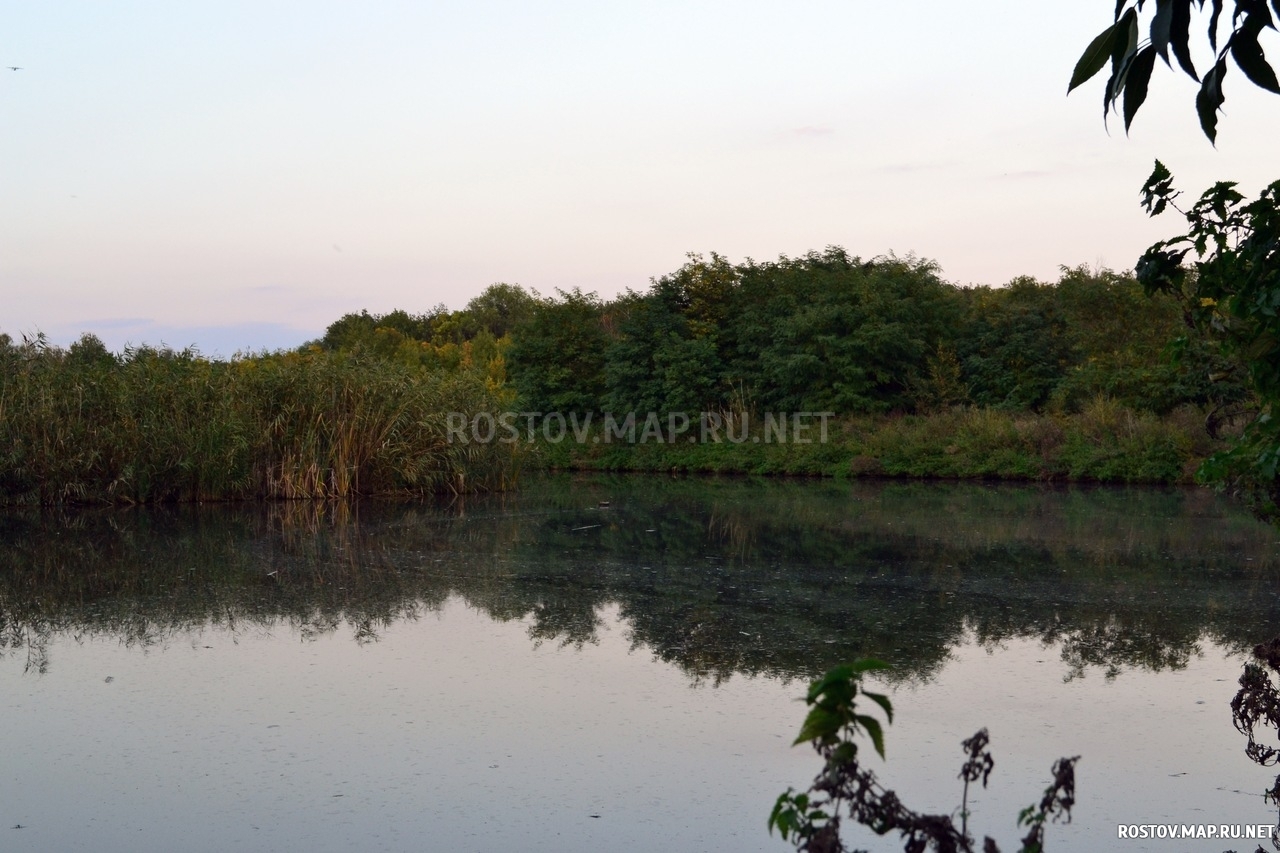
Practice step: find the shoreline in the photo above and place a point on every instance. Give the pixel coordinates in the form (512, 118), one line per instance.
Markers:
(1104, 443)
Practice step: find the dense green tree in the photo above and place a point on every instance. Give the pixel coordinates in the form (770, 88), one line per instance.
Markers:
(1015, 348)
(823, 332)
(500, 309)
(668, 353)
(353, 331)
(90, 350)
(496, 312)
(557, 363)
(829, 331)
(1090, 335)
(1122, 340)
(658, 361)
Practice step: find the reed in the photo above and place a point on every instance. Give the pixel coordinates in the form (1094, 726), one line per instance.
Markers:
(82, 425)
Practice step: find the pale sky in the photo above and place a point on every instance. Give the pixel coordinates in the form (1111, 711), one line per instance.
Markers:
(240, 174)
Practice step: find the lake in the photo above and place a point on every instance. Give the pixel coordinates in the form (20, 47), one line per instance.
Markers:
(613, 662)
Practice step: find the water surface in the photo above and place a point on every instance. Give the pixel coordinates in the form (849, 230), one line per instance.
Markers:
(537, 671)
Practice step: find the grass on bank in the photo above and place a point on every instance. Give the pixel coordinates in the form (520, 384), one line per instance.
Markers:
(1104, 442)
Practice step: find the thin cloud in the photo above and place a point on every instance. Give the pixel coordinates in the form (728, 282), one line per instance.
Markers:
(1024, 174)
(906, 168)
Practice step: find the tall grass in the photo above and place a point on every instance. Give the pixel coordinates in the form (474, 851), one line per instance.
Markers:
(82, 425)
(1104, 442)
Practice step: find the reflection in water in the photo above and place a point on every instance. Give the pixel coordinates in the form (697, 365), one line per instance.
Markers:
(716, 576)
(504, 661)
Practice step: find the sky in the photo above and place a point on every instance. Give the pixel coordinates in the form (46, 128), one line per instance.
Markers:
(238, 175)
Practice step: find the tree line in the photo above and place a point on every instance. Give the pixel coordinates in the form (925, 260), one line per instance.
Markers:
(1078, 374)
(826, 331)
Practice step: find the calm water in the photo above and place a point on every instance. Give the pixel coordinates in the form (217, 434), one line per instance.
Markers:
(538, 672)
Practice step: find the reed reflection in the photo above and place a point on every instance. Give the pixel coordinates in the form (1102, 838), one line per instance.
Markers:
(775, 578)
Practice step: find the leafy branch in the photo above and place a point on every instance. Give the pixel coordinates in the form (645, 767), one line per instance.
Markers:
(1230, 293)
(1258, 702)
(811, 820)
(1133, 58)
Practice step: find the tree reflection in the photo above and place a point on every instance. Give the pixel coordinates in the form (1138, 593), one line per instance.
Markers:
(779, 578)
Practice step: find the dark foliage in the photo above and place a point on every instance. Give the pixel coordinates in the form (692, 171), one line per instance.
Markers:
(1133, 57)
(845, 787)
(830, 331)
(1230, 296)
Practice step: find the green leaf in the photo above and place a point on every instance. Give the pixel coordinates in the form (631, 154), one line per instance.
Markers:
(882, 701)
(819, 725)
(785, 817)
(1095, 56)
(835, 688)
(1179, 36)
(1213, 24)
(1160, 177)
(1115, 86)
(1106, 98)
(1135, 83)
(872, 725)
(778, 806)
(832, 677)
(1132, 31)
(1123, 48)
(1210, 98)
(1249, 56)
(1125, 41)
(1254, 13)
(1162, 28)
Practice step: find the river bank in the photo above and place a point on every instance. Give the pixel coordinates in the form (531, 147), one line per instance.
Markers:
(1105, 442)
